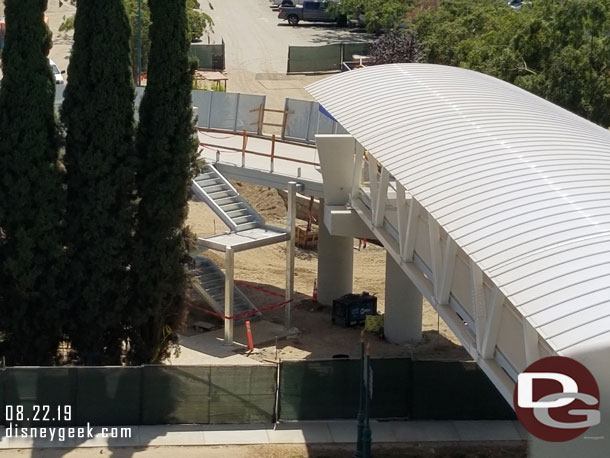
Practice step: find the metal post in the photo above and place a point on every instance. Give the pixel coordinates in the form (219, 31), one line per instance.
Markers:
(366, 430)
(244, 143)
(229, 287)
(360, 417)
(272, 151)
(139, 42)
(290, 249)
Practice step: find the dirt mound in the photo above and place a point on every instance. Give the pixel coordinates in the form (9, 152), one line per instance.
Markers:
(265, 200)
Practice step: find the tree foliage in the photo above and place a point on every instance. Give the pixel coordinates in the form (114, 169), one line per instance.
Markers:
(100, 159)
(198, 22)
(377, 14)
(397, 46)
(557, 50)
(31, 193)
(167, 147)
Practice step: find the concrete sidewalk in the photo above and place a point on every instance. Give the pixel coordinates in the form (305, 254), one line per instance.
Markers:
(326, 432)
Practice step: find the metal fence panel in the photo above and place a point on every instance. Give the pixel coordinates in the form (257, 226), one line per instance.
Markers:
(314, 58)
(243, 394)
(202, 100)
(249, 113)
(298, 117)
(175, 394)
(223, 112)
(304, 120)
(349, 49)
(455, 390)
(109, 396)
(209, 56)
(38, 386)
(315, 390)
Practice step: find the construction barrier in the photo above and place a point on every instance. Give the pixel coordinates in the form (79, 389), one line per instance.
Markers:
(304, 120)
(309, 390)
(402, 388)
(210, 57)
(326, 58)
(146, 395)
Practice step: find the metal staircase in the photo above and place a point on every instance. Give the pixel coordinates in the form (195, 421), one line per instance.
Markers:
(224, 200)
(209, 282)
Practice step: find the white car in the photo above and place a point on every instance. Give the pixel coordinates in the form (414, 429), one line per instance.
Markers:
(59, 78)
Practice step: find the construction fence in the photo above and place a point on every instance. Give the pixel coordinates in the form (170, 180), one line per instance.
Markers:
(326, 58)
(308, 390)
(304, 120)
(210, 57)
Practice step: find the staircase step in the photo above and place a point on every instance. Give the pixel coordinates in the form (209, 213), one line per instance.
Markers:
(228, 200)
(244, 219)
(243, 211)
(206, 176)
(243, 227)
(208, 181)
(220, 194)
(231, 207)
(215, 188)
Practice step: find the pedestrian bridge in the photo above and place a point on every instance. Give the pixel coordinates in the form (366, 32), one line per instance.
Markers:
(493, 202)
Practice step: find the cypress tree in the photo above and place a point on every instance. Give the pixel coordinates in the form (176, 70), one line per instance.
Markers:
(167, 147)
(100, 160)
(31, 193)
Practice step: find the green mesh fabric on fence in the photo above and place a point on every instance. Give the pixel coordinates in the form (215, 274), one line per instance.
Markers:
(108, 396)
(209, 56)
(208, 395)
(422, 390)
(29, 387)
(350, 49)
(455, 391)
(303, 59)
(112, 396)
(327, 58)
(316, 390)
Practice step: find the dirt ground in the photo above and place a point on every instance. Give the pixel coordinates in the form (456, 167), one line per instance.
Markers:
(282, 451)
(317, 338)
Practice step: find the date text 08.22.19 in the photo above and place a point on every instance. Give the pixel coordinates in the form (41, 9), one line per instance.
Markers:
(37, 412)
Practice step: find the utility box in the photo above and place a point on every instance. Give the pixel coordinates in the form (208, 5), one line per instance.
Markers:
(352, 309)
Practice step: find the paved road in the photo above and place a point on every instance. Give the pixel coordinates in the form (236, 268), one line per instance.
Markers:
(257, 41)
(257, 47)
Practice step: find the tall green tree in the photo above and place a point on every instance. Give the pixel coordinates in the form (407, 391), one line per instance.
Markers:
(31, 193)
(100, 159)
(557, 50)
(198, 23)
(166, 146)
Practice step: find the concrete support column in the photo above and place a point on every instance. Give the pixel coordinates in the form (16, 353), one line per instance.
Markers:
(403, 306)
(335, 263)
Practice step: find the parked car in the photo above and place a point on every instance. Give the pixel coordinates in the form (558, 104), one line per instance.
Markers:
(287, 3)
(58, 74)
(279, 3)
(312, 12)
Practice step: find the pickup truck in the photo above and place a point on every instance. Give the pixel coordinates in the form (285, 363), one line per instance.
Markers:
(312, 12)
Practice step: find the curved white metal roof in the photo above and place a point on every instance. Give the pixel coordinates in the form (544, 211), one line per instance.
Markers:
(521, 185)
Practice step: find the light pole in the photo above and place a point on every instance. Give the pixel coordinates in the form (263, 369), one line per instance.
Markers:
(139, 41)
(360, 417)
